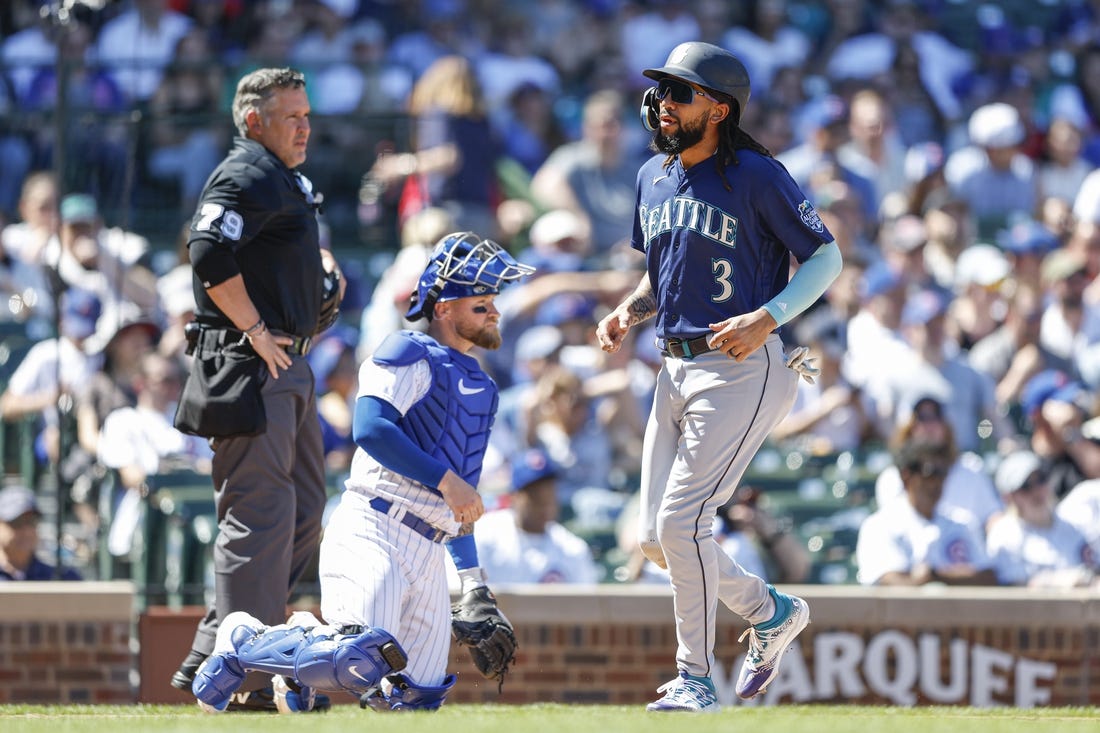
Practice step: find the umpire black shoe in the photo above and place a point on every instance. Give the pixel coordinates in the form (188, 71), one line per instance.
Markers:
(185, 675)
(263, 701)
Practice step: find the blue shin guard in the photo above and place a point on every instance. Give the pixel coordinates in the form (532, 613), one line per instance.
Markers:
(404, 695)
(319, 659)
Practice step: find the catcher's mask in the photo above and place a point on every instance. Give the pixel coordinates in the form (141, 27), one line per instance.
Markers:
(463, 265)
(708, 66)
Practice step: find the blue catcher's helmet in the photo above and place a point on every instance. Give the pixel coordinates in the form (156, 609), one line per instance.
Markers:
(463, 265)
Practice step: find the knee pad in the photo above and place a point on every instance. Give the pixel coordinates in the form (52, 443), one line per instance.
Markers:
(652, 550)
(353, 663)
(405, 696)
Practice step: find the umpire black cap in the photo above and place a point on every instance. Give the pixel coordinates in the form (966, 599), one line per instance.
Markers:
(711, 67)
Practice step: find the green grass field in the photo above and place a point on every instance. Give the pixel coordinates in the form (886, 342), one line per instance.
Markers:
(555, 718)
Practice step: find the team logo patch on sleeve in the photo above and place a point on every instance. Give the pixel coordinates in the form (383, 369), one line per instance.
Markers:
(809, 217)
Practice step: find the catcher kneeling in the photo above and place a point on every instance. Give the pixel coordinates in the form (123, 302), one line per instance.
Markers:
(421, 426)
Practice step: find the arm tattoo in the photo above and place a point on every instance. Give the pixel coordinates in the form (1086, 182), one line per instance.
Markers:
(467, 528)
(641, 304)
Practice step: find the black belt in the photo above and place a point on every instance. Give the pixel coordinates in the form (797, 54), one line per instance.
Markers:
(410, 520)
(687, 348)
(214, 337)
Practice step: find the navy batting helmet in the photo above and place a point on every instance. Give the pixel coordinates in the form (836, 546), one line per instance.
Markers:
(709, 66)
(462, 265)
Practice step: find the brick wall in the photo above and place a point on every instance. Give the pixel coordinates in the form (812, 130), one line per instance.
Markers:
(616, 644)
(66, 642)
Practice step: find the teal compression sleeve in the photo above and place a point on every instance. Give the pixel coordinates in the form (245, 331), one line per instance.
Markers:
(809, 282)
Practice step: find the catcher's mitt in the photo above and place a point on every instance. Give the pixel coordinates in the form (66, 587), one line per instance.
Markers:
(478, 624)
(330, 301)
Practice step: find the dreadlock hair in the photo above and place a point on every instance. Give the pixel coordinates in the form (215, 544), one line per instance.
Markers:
(731, 138)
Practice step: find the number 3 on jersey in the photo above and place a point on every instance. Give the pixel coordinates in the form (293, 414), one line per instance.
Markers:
(232, 224)
(723, 271)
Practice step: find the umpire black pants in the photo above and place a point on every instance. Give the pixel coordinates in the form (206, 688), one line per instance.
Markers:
(270, 494)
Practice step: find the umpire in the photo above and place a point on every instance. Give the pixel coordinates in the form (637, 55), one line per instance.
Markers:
(260, 276)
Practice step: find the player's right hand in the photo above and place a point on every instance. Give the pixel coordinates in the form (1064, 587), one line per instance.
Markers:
(612, 330)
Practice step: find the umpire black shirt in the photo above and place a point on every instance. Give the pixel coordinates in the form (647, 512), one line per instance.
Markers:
(257, 218)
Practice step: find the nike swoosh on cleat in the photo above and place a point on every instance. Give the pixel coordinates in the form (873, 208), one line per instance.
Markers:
(463, 389)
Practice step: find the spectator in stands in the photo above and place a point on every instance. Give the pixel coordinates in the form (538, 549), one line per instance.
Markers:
(24, 283)
(336, 371)
(767, 41)
(511, 64)
(561, 420)
(1081, 508)
(967, 394)
(52, 368)
(919, 116)
(910, 541)
(874, 149)
(1030, 545)
(968, 493)
(16, 154)
(646, 37)
(814, 162)
(528, 128)
(979, 306)
(390, 299)
(438, 31)
(594, 176)
(524, 542)
(865, 55)
(1064, 168)
(1026, 243)
(453, 165)
(101, 260)
(140, 441)
(26, 239)
(184, 145)
(19, 518)
(828, 416)
(137, 44)
(123, 343)
(1012, 354)
(1067, 322)
(97, 130)
(992, 174)
(873, 338)
(1055, 407)
(747, 530)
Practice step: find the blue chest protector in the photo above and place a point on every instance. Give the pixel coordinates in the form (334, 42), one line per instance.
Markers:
(452, 421)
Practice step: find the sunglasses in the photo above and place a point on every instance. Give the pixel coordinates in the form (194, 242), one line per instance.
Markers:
(680, 92)
(929, 469)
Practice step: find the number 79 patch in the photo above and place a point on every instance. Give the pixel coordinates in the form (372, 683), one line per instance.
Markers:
(231, 223)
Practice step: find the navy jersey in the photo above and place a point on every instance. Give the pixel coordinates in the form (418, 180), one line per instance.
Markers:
(712, 253)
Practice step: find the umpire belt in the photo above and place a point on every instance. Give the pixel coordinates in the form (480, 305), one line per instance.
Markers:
(213, 338)
(410, 520)
(687, 348)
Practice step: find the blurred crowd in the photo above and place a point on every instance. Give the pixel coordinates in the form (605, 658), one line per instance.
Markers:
(951, 148)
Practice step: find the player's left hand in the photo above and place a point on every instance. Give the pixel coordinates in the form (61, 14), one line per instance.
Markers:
(739, 336)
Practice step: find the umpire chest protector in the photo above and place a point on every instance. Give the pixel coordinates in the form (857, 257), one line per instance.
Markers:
(452, 421)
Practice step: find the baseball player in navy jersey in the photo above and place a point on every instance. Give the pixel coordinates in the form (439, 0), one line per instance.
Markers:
(421, 425)
(718, 219)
